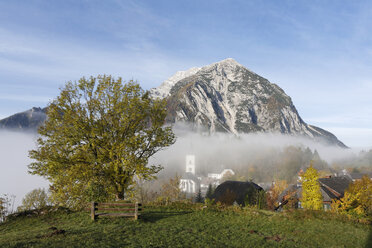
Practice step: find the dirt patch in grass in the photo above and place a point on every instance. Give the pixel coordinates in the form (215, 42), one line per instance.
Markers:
(53, 232)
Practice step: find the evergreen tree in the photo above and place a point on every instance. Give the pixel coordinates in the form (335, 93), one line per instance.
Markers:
(311, 194)
(199, 197)
(209, 192)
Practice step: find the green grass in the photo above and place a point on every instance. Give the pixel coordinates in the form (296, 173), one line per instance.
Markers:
(187, 227)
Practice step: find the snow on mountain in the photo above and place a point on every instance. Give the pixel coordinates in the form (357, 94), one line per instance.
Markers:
(163, 90)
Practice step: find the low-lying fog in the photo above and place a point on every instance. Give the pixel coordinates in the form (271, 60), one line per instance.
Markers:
(212, 153)
(221, 150)
(14, 179)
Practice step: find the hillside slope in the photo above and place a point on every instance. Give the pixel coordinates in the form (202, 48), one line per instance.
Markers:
(180, 227)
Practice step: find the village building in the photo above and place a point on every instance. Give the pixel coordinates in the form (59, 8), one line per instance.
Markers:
(236, 192)
(219, 176)
(331, 188)
(354, 176)
(190, 182)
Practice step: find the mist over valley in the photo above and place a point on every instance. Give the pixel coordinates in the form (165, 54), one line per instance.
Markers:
(225, 115)
(14, 177)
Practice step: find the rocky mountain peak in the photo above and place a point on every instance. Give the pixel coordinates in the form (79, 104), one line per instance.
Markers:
(164, 89)
(225, 69)
(229, 62)
(227, 97)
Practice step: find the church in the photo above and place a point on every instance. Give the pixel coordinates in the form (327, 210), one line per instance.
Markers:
(190, 183)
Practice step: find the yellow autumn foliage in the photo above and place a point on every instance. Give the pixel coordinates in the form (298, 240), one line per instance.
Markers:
(357, 199)
(274, 192)
(311, 194)
(99, 135)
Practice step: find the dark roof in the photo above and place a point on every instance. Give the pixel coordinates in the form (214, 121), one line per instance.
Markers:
(357, 175)
(296, 192)
(231, 191)
(327, 194)
(265, 186)
(331, 188)
(290, 190)
(335, 186)
(190, 176)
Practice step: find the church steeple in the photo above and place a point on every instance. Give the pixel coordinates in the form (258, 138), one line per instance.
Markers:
(190, 164)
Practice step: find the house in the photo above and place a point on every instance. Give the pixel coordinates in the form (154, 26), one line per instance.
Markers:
(356, 175)
(331, 188)
(214, 179)
(218, 176)
(266, 185)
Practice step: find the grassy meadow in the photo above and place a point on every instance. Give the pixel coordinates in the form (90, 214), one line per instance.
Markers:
(186, 227)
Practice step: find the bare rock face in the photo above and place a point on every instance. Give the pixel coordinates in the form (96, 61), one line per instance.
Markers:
(227, 97)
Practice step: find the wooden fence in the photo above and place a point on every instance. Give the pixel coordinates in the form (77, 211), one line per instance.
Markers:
(115, 209)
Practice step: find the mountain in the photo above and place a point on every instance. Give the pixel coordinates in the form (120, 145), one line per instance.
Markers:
(222, 97)
(28, 120)
(227, 97)
(164, 89)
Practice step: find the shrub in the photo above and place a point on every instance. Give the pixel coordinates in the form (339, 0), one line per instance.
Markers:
(36, 199)
(170, 191)
(272, 196)
(255, 198)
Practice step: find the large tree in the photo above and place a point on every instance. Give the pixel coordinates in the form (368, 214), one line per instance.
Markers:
(98, 136)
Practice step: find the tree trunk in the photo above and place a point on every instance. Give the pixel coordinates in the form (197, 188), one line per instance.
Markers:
(120, 195)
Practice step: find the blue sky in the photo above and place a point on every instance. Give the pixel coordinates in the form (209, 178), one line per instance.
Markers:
(319, 52)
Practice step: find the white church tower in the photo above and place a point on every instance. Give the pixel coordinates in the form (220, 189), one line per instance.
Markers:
(189, 183)
(190, 164)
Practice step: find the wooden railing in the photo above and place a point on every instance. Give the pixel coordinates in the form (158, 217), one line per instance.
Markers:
(115, 209)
